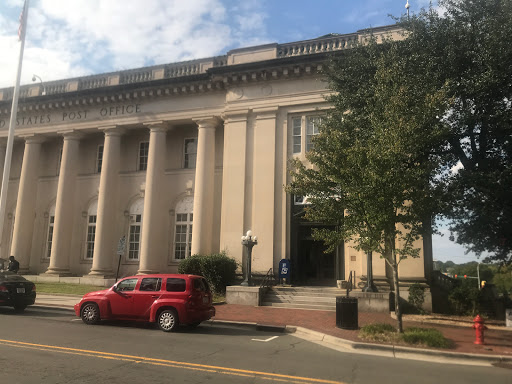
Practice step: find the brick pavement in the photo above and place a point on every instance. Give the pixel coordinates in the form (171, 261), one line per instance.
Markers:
(497, 342)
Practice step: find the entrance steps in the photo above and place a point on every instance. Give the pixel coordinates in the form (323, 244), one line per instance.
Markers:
(313, 298)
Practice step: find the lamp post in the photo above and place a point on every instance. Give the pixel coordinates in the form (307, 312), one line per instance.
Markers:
(248, 241)
(34, 78)
(370, 287)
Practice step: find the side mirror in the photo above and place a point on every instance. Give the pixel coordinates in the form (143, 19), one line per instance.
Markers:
(114, 288)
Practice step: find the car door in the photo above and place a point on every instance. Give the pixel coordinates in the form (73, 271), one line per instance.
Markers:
(145, 295)
(121, 298)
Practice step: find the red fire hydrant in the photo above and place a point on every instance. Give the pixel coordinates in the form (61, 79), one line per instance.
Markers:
(479, 328)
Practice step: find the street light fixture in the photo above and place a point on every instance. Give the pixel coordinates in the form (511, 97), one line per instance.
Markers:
(370, 287)
(249, 241)
(34, 78)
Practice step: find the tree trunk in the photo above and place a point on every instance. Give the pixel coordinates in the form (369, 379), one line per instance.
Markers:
(398, 309)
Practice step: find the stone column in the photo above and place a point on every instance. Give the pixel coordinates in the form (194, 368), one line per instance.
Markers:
(264, 188)
(204, 187)
(63, 227)
(233, 209)
(105, 241)
(152, 249)
(26, 203)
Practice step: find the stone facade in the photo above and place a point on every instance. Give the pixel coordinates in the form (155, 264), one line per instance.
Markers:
(179, 159)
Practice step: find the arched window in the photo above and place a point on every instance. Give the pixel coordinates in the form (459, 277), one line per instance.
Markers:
(183, 228)
(136, 212)
(91, 229)
(49, 235)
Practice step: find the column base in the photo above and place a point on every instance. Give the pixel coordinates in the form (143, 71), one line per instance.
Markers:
(147, 271)
(101, 274)
(57, 272)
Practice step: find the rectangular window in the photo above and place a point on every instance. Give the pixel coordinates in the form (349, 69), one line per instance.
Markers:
(99, 158)
(312, 129)
(183, 236)
(175, 285)
(91, 235)
(297, 134)
(134, 237)
(143, 155)
(190, 153)
(50, 236)
(150, 284)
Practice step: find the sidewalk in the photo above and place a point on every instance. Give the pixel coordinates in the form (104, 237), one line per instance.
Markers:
(498, 340)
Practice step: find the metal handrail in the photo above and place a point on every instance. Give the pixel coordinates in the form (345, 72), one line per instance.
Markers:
(268, 281)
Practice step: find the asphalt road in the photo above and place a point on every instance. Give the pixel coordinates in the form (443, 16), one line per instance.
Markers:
(50, 346)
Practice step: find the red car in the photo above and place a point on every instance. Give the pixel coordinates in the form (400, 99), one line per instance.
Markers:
(167, 299)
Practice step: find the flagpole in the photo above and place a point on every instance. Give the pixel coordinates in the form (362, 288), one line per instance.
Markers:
(12, 122)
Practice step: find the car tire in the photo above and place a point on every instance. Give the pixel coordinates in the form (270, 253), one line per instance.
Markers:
(168, 320)
(90, 313)
(19, 308)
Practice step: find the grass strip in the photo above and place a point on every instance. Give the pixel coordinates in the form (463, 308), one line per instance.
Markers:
(422, 337)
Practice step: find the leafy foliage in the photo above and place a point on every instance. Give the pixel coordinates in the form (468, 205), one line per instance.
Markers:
(371, 175)
(418, 336)
(416, 297)
(470, 60)
(465, 297)
(218, 269)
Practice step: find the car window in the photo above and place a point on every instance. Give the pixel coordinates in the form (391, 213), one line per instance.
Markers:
(175, 285)
(150, 284)
(127, 285)
(201, 285)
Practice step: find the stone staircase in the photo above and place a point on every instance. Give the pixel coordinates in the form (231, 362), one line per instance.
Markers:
(314, 298)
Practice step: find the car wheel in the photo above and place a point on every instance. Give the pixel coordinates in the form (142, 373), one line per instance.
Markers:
(90, 313)
(168, 320)
(20, 307)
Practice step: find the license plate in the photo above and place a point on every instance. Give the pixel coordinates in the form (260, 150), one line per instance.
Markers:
(20, 290)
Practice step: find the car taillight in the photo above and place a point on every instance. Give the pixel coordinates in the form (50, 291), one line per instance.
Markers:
(3, 288)
(33, 288)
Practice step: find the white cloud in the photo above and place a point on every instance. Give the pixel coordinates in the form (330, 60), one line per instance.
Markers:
(73, 38)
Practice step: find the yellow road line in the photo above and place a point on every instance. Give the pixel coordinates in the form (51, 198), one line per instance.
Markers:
(169, 363)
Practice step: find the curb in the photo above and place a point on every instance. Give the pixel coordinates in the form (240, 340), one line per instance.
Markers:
(434, 355)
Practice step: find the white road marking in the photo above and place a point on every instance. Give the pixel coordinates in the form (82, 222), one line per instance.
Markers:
(76, 319)
(269, 339)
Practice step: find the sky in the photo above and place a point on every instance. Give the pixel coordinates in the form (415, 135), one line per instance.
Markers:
(71, 38)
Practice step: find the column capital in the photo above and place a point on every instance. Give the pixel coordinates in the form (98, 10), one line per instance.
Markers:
(33, 139)
(157, 126)
(238, 115)
(210, 122)
(112, 130)
(265, 112)
(71, 134)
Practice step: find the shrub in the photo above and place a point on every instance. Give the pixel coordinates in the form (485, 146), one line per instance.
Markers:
(218, 269)
(425, 337)
(465, 297)
(386, 333)
(417, 297)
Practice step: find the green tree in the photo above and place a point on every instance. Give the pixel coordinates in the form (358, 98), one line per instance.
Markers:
(468, 48)
(370, 175)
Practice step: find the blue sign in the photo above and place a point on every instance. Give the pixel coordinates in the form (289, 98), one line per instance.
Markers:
(284, 269)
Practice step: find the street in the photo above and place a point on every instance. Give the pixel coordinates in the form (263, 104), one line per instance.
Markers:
(53, 346)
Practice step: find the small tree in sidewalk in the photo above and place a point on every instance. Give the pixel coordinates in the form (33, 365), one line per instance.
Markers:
(370, 175)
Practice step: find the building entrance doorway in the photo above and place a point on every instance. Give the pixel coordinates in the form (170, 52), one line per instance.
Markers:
(313, 265)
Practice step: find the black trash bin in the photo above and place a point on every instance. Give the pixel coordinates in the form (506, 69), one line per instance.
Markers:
(346, 312)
